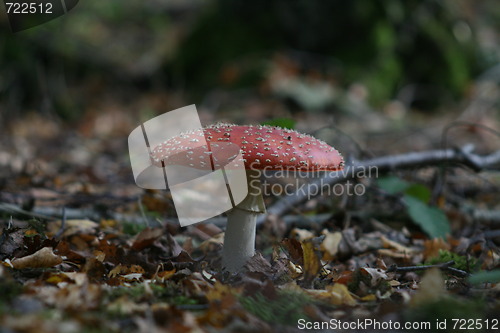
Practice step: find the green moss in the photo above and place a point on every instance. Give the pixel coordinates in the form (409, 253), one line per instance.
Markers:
(287, 309)
(461, 262)
(135, 292)
(169, 292)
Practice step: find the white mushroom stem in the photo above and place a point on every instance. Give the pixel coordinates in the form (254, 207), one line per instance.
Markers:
(239, 239)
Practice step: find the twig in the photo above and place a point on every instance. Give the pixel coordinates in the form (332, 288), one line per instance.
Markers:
(63, 224)
(446, 266)
(383, 165)
(487, 215)
(50, 213)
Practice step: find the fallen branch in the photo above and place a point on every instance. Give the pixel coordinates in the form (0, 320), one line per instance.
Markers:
(51, 213)
(446, 266)
(385, 164)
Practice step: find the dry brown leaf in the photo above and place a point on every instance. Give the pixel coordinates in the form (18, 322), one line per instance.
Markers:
(199, 283)
(312, 263)
(108, 223)
(369, 298)
(294, 248)
(259, 264)
(219, 290)
(73, 227)
(336, 294)
(79, 279)
(295, 271)
(381, 264)
(213, 243)
(44, 257)
(344, 277)
(116, 271)
(301, 234)
(187, 246)
(146, 238)
(431, 288)
(330, 244)
(99, 255)
(125, 270)
(376, 274)
(432, 247)
(387, 243)
(392, 253)
(57, 279)
(207, 230)
(164, 275)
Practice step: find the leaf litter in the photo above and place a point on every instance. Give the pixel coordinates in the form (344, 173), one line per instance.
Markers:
(142, 272)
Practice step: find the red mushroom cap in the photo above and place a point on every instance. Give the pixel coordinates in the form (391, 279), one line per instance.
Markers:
(262, 147)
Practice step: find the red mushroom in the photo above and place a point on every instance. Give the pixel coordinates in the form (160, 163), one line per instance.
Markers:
(263, 148)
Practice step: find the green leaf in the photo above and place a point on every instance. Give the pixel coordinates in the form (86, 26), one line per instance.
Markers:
(393, 184)
(418, 191)
(485, 276)
(431, 219)
(281, 122)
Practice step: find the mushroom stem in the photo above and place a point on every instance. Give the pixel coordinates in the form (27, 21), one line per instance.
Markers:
(239, 238)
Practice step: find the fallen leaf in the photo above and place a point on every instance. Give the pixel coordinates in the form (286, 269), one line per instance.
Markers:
(99, 255)
(345, 277)
(431, 288)
(301, 234)
(336, 294)
(295, 271)
(213, 243)
(133, 277)
(126, 270)
(44, 257)
(12, 239)
(432, 247)
(73, 227)
(206, 230)
(387, 243)
(330, 244)
(164, 275)
(108, 223)
(219, 290)
(392, 253)
(146, 238)
(312, 264)
(369, 298)
(258, 263)
(376, 274)
(294, 248)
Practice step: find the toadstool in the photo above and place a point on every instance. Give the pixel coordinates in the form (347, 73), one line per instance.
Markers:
(262, 148)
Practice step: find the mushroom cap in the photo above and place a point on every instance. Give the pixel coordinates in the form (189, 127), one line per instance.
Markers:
(262, 147)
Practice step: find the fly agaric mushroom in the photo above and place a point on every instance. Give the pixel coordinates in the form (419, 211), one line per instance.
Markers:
(263, 148)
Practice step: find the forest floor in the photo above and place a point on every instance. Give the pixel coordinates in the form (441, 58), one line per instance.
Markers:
(84, 249)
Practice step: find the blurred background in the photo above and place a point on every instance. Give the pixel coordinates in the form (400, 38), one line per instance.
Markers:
(370, 77)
